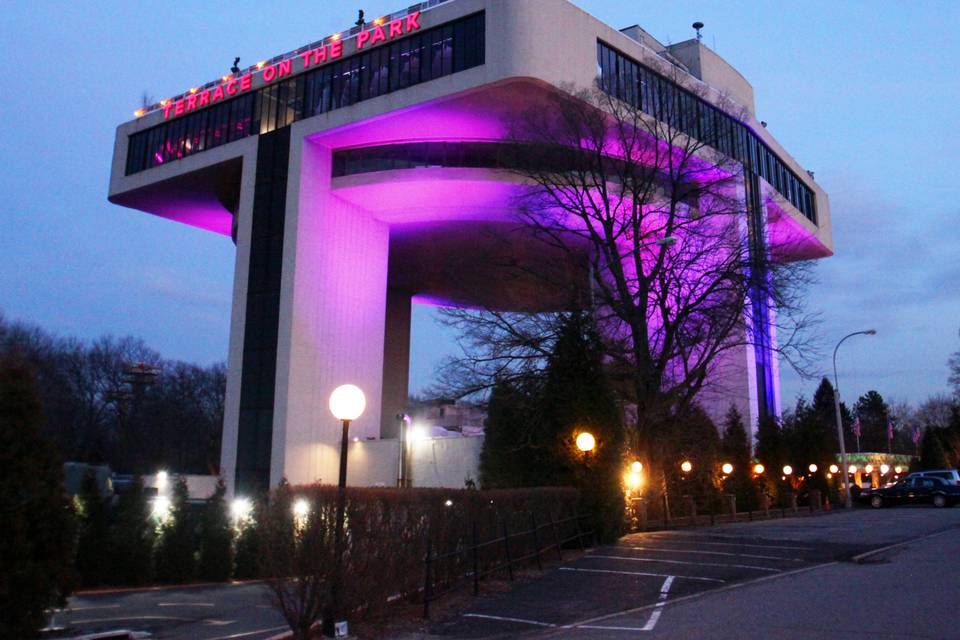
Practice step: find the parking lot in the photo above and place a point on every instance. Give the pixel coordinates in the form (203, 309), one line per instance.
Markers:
(627, 588)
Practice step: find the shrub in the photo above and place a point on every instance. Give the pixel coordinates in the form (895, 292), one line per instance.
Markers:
(216, 538)
(175, 545)
(93, 547)
(386, 534)
(132, 538)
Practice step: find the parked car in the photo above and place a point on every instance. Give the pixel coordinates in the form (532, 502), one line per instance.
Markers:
(916, 490)
(950, 475)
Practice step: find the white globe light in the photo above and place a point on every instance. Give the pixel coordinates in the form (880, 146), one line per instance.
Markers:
(636, 467)
(301, 508)
(347, 402)
(868, 468)
(853, 468)
(884, 469)
(727, 468)
(787, 469)
(686, 466)
(834, 468)
(813, 468)
(586, 441)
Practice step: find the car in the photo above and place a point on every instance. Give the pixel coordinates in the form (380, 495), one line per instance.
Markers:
(950, 475)
(916, 490)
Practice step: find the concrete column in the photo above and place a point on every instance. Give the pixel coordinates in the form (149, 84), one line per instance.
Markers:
(396, 361)
(332, 312)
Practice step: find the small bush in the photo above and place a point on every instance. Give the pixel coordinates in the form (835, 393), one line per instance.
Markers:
(216, 538)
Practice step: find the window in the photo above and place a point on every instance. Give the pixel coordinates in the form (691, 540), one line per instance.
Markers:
(663, 99)
(429, 54)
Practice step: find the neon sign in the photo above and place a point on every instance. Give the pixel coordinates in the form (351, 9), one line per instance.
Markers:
(233, 86)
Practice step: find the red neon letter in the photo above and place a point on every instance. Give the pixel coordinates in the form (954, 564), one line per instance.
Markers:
(269, 73)
(320, 54)
(218, 93)
(232, 88)
(166, 111)
(378, 35)
(396, 28)
(283, 69)
(204, 98)
(362, 37)
(191, 102)
(306, 58)
(413, 21)
(178, 109)
(246, 81)
(336, 49)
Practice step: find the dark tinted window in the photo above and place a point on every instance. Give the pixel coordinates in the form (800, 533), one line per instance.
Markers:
(429, 54)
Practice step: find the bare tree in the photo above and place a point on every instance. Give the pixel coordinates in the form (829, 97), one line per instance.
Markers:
(678, 271)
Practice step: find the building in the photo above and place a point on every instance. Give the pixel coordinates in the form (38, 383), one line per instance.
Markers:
(353, 171)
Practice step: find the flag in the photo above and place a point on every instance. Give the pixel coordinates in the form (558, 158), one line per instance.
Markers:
(889, 429)
(856, 426)
(916, 436)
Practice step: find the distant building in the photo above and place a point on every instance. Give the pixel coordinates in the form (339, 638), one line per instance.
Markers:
(444, 417)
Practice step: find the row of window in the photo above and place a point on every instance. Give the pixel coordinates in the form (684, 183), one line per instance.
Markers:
(665, 100)
(421, 57)
(488, 155)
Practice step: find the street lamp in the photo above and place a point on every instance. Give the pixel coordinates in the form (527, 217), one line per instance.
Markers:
(727, 468)
(836, 400)
(813, 468)
(758, 469)
(686, 466)
(787, 470)
(347, 403)
(586, 442)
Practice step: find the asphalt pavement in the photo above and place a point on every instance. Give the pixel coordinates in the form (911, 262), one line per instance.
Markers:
(791, 578)
(218, 612)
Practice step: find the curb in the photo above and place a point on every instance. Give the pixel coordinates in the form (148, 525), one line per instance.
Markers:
(863, 557)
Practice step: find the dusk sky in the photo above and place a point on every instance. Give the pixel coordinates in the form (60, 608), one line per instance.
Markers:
(863, 93)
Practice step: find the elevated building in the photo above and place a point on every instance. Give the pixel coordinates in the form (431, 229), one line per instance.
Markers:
(357, 175)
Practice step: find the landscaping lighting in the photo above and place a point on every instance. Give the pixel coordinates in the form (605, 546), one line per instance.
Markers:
(634, 480)
(686, 466)
(727, 468)
(301, 508)
(162, 479)
(813, 468)
(787, 469)
(586, 442)
(161, 508)
(240, 509)
(834, 468)
(758, 468)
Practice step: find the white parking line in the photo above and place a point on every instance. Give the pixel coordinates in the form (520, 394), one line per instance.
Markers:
(725, 544)
(185, 604)
(658, 609)
(686, 562)
(118, 619)
(76, 609)
(248, 633)
(535, 623)
(710, 553)
(641, 573)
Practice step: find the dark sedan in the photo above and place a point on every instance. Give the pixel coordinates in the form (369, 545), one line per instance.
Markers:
(918, 490)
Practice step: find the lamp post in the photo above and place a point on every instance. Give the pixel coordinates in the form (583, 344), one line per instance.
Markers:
(347, 403)
(836, 400)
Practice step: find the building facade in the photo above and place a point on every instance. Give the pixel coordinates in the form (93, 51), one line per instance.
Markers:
(357, 173)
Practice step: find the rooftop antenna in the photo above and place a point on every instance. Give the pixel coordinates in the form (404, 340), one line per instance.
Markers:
(236, 65)
(698, 25)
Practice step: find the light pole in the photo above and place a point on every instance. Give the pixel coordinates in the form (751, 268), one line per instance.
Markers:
(836, 399)
(347, 403)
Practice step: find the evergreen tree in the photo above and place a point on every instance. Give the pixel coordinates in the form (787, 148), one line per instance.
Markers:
(874, 414)
(246, 565)
(37, 532)
(577, 397)
(175, 545)
(695, 438)
(93, 547)
(736, 451)
(506, 444)
(216, 538)
(932, 455)
(132, 537)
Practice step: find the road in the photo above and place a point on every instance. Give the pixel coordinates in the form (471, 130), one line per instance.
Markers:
(788, 578)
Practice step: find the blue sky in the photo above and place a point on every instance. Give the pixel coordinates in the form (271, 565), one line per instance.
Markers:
(863, 93)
